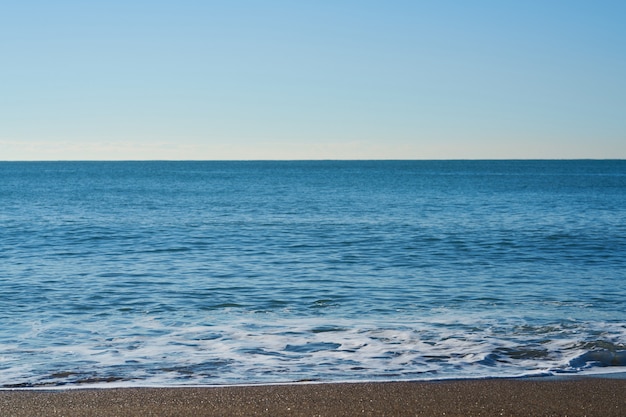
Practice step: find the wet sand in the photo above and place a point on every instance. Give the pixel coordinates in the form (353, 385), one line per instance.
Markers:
(493, 397)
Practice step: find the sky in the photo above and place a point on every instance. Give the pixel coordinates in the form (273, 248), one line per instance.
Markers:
(323, 79)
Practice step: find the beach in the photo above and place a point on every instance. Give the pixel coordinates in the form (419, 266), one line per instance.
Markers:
(484, 397)
(188, 288)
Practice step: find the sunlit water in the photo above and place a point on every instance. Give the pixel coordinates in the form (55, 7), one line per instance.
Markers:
(180, 273)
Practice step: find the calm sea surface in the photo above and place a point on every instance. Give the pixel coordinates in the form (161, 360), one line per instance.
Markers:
(180, 273)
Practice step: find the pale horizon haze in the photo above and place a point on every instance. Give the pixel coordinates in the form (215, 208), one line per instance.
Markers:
(247, 80)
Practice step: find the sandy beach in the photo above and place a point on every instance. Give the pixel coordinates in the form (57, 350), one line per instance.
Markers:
(493, 397)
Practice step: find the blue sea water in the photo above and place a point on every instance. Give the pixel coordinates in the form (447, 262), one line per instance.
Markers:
(207, 273)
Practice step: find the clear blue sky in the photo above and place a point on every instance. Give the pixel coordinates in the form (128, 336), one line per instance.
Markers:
(270, 79)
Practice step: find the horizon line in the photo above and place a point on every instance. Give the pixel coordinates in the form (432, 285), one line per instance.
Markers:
(313, 160)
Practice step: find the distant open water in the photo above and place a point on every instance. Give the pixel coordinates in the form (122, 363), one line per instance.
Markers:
(203, 273)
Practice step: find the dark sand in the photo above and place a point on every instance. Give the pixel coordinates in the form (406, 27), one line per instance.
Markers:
(494, 397)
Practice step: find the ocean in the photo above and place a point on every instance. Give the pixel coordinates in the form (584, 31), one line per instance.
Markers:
(226, 273)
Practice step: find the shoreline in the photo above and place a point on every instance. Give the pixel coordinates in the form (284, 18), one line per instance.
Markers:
(123, 384)
(571, 395)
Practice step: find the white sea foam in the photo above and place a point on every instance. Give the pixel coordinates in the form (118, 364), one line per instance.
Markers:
(289, 350)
